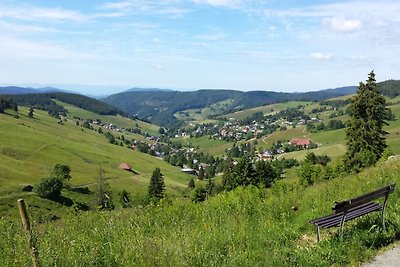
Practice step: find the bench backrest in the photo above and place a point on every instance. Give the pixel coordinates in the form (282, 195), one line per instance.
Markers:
(351, 203)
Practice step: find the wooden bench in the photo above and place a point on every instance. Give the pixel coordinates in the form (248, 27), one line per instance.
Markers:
(353, 208)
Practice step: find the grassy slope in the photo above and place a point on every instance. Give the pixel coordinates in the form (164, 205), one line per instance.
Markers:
(246, 227)
(265, 109)
(202, 115)
(208, 146)
(116, 120)
(30, 147)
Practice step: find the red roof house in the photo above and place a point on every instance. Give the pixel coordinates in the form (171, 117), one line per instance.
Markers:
(300, 141)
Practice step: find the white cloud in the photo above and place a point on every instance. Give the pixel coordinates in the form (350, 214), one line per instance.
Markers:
(227, 3)
(165, 7)
(158, 66)
(23, 28)
(343, 25)
(35, 14)
(211, 37)
(321, 56)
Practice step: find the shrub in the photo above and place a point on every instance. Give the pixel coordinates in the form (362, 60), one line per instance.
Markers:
(49, 187)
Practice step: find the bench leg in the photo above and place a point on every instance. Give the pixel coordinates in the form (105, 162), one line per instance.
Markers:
(342, 224)
(383, 213)
(318, 233)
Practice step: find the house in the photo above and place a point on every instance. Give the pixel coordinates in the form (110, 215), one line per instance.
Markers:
(267, 155)
(304, 142)
(188, 170)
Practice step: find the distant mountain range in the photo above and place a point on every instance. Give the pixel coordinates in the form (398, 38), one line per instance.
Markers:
(137, 89)
(17, 90)
(159, 107)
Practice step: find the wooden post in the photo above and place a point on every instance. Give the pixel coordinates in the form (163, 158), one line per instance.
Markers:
(27, 227)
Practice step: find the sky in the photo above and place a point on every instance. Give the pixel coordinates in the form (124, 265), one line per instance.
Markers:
(101, 47)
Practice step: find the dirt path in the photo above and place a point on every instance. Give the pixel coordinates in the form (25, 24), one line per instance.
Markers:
(390, 258)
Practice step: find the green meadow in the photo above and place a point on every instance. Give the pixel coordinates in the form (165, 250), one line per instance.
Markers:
(207, 145)
(265, 109)
(245, 227)
(120, 121)
(31, 146)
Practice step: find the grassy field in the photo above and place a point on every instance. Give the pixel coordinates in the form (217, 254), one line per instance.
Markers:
(265, 109)
(207, 145)
(116, 120)
(31, 146)
(245, 227)
(201, 116)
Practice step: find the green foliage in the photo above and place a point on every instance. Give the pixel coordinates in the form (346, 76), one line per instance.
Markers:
(160, 107)
(365, 134)
(41, 101)
(199, 194)
(6, 102)
(125, 199)
(49, 187)
(201, 173)
(244, 173)
(266, 174)
(308, 173)
(61, 171)
(390, 88)
(30, 113)
(191, 183)
(244, 227)
(103, 198)
(156, 186)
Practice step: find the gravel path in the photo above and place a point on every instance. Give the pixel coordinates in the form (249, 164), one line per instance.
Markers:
(390, 258)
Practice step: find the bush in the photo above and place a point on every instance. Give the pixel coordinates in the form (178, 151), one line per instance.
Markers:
(49, 187)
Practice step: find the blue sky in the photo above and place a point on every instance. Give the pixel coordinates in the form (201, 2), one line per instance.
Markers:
(282, 45)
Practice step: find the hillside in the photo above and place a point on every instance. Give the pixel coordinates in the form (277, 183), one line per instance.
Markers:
(45, 101)
(31, 146)
(160, 107)
(16, 90)
(245, 227)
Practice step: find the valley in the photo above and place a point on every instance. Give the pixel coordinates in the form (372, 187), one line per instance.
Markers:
(197, 150)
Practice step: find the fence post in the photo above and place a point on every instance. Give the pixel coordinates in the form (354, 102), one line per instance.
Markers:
(27, 227)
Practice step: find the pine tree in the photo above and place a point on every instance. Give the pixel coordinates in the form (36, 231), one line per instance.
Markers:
(245, 172)
(201, 173)
(30, 113)
(365, 134)
(156, 186)
(191, 183)
(265, 174)
(210, 187)
(103, 195)
(228, 181)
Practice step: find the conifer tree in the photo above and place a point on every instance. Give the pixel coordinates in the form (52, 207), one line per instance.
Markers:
(265, 174)
(365, 134)
(191, 183)
(156, 186)
(245, 172)
(201, 173)
(30, 113)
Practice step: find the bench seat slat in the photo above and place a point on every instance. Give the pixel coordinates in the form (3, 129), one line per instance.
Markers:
(334, 219)
(353, 208)
(354, 202)
(353, 215)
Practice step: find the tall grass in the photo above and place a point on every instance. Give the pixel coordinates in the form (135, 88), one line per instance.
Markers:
(246, 227)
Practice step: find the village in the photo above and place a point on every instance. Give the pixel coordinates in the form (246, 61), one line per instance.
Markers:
(168, 146)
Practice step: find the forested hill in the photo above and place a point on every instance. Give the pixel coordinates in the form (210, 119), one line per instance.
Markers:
(46, 102)
(159, 107)
(390, 88)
